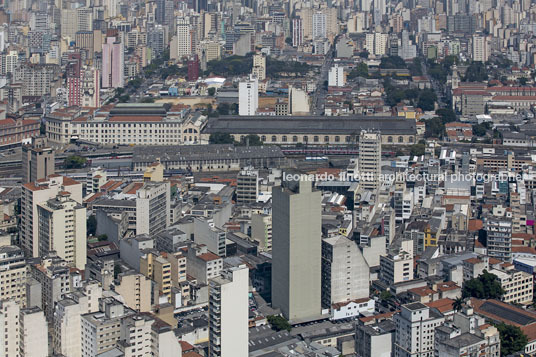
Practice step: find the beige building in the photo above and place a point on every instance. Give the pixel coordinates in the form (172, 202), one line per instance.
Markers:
(135, 335)
(202, 264)
(259, 66)
(395, 268)
(13, 273)
(33, 333)
(158, 269)
(136, 291)
(261, 230)
(37, 160)
(34, 193)
(152, 208)
(517, 285)
(9, 320)
(62, 228)
(154, 173)
(296, 251)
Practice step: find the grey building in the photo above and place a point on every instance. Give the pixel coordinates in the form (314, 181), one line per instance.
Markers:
(296, 251)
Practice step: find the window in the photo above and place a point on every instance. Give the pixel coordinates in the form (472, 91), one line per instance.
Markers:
(400, 139)
(326, 139)
(305, 139)
(274, 139)
(263, 138)
(294, 139)
(284, 139)
(337, 139)
(411, 139)
(389, 139)
(315, 138)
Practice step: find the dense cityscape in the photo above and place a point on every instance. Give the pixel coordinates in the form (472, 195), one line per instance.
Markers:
(267, 178)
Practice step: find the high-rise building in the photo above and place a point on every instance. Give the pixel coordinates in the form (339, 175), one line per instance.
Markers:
(152, 208)
(298, 101)
(33, 333)
(135, 335)
(90, 87)
(319, 25)
(259, 66)
(37, 160)
(370, 151)
(113, 63)
(13, 274)
(481, 48)
(228, 313)
(181, 45)
(62, 228)
(248, 96)
(297, 32)
(415, 330)
(296, 251)
(136, 291)
(247, 186)
(193, 68)
(9, 320)
(336, 77)
(34, 193)
(345, 272)
(158, 269)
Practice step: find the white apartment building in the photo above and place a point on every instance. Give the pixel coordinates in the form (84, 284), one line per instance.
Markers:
(345, 272)
(336, 77)
(13, 274)
(369, 164)
(152, 208)
(319, 25)
(481, 48)
(183, 39)
(248, 96)
(62, 228)
(261, 230)
(517, 285)
(35, 193)
(33, 333)
(203, 264)
(135, 335)
(228, 313)
(9, 320)
(415, 330)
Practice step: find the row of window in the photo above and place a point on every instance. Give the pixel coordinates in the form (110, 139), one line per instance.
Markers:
(316, 139)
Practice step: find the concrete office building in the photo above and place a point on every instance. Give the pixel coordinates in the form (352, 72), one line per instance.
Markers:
(212, 237)
(37, 160)
(62, 228)
(13, 274)
(135, 335)
(34, 193)
(202, 264)
(395, 268)
(152, 208)
(228, 313)
(375, 340)
(33, 333)
(296, 251)
(345, 272)
(248, 96)
(370, 151)
(247, 186)
(415, 330)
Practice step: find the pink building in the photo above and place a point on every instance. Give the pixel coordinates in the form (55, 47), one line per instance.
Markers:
(112, 63)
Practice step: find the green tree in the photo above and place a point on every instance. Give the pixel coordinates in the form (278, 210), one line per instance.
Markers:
(386, 295)
(102, 237)
(434, 128)
(123, 98)
(74, 162)
(288, 41)
(476, 72)
(417, 149)
(211, 91)
(361, 70)
(251, 140)
(221, 138)
(364, 54)
(523, 81)
(279, 323)
(392, 62)
(447, 115)
(147, 100)
(92, 225)
(223, 108)
(512, 339)
(485, 286)
(457, 304)
(479, 129)
(427, 99)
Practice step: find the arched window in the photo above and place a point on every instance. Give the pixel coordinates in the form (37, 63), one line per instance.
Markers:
(242, 137)
(400, 139)
(337, 139)
(294, 139)
(284, 139)
(326, 139)
(389, 139)
(274, 139)
(305, 139)
(411, 139)
(315, 139)
(348, 139)
(263, 138)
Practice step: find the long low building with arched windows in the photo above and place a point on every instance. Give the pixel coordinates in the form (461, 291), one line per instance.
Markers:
(313, 130)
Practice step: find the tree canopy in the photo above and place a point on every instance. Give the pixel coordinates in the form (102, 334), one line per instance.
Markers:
(221, 138)
(392, 62)
(279, 323)
(74, 162)
(485, 286)
(251, 140)
(476, 72)
(512, 339)
(361, 70)
(92, 225)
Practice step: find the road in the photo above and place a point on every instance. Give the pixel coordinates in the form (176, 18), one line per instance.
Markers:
(436, 86)
(319, 96)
